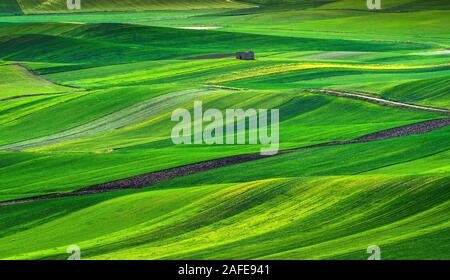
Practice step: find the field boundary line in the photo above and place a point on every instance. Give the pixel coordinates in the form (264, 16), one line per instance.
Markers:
(378, 100)
(41, 78)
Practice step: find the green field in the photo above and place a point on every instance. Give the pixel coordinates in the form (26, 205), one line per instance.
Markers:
(44, 6)
(86, 98)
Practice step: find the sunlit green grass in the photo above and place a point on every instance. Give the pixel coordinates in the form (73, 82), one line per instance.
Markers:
(42, 6)
(127, 131)
(433, 92)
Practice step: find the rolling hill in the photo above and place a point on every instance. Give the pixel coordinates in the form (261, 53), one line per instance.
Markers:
(8, 7)
(86, 99)
(45, 6)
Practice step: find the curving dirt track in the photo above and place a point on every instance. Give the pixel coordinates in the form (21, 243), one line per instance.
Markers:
(144, 180)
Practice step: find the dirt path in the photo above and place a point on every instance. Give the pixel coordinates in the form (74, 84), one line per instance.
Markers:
(379, 101)
(143, 180)
(132, 114)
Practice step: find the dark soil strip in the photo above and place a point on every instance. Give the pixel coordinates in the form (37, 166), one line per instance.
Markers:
(31, 95)
(144, 180)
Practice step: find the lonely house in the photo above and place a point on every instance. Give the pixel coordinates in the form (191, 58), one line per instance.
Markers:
(248, 55)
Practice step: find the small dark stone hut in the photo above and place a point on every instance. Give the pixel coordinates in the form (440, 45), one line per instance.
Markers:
(248, 55)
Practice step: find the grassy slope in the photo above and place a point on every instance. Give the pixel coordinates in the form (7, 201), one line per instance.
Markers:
(61, 125)
(392, 193)
(79, 47)
(9, 7)
(107, 43)
(16, 81)
(353, 21)
(125, 151)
